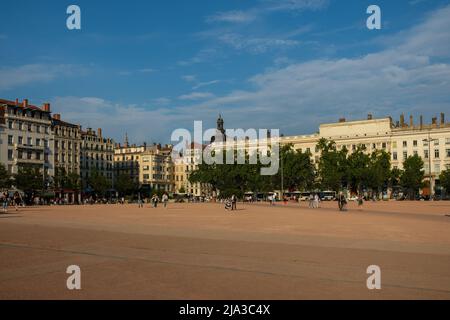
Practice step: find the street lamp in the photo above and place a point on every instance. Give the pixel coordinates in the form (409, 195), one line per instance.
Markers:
(429, 140)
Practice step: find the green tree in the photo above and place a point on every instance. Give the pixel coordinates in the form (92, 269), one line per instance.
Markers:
(29, 178)
(298, 169)
(5, 178)
(182, 190)
(379, 171)
(444, 177)
(98, 182)
(358, 169)
(125, 184)
(333, 165)
(412, 176)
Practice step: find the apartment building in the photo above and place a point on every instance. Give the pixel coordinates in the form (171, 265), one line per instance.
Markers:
(97, 154)
(186, 163)
(67, 144)
(401, 139)
(157, 168)
(126, 159)
(25, 137)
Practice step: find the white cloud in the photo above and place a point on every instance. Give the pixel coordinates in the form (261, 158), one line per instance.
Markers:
(196, 96)
(12, 77)
(205, 84)
(146, 70)
(189, 78)
(256, 45)
(235, 16)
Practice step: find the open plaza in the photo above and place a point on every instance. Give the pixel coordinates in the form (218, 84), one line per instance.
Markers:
(202, 251)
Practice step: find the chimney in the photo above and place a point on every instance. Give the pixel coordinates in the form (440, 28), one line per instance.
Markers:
(421, 122)
(411, 121)
(25, 103)
(341, 120)
(402, 120)
(434, 122)
(369, 116)
(442, 119)
(46, 107)
(99, 132)
(17, 102)
(57, 116)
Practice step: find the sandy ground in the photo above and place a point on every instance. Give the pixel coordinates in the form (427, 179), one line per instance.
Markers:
(200, 251)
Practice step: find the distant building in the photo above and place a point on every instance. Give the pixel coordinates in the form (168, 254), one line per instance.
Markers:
(156, 168)
(126, 159)
(25, 137)
(68, 145)
(186, 163)
(97, 155)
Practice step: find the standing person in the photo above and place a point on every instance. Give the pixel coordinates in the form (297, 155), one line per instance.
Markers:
(165, 199)
(140, 203)
(16, 200)
(360, 201)
(316, 201)
(311, 201)
(233, 202)
(4, 201)
(342, 201)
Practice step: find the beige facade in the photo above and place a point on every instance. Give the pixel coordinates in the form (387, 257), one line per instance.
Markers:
(156, 169)
(126, 160)
(67, 145)
(184, 165)
(400, 139)
(97, 154)
(25, 137)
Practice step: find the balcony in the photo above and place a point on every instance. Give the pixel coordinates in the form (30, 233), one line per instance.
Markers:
(28, 147)
(29, 161)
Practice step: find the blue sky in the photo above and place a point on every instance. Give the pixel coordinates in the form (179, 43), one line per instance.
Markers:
(149, 67)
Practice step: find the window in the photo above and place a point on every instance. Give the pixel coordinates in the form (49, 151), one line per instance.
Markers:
(10, 154)
(394, 144)
(384, 145)
(10, 124)
(415, 152)
(10, 140)
(405, 144)
(38, 142)
(425, 153)
(29, 155)
(447, 140)
(436, 142)
(405, 155)
(448, 153)
(415, 143)
(436, 153)
(394, 155)
(437, 168)
(29, 127)
(29, 141)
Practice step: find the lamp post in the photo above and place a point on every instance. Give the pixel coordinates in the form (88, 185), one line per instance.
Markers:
(429, 140)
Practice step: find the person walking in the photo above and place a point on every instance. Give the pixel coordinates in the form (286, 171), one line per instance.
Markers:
(165, 199)
(311, 201)
(233, 202)
(342, 201)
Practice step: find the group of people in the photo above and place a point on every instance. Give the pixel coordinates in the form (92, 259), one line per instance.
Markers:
(5, 201)
(231, 203)
(155, 200)
(313, 201)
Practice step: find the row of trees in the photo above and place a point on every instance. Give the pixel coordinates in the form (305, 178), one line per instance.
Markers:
(336, 170)
(31, 178)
